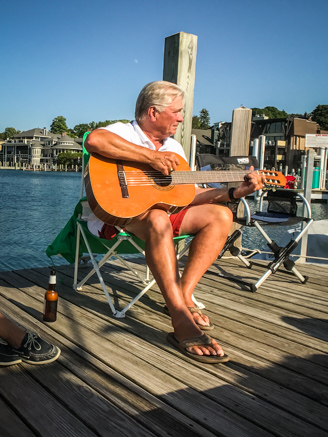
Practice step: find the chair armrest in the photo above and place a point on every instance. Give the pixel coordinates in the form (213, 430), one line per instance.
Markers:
(247, 211)
(235, 208)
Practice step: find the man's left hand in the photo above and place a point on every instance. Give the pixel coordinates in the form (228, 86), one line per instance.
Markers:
(254, 182)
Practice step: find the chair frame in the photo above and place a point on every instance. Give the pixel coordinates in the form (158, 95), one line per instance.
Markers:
(281, 254)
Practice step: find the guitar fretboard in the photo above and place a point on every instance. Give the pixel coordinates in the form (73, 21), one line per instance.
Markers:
(203, 177)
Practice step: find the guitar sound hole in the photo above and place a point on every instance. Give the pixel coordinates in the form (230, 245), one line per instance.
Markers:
(163, 182)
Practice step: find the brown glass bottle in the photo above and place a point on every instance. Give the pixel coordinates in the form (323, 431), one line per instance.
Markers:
(51, 300)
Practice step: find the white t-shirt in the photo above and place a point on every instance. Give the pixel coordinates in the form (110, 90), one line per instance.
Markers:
(131, 132)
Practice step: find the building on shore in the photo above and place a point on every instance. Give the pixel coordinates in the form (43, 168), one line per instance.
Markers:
(284, 139)
(37, 147)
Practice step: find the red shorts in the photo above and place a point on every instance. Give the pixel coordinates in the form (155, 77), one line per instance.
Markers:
(176, 220)
(108, 232)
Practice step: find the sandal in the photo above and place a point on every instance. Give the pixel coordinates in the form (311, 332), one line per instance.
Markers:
(203, 340)
(192, 311)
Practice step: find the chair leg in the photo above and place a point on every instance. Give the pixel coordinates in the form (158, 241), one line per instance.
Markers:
(77, 249)
(121, 314)
(229, 244)
(96, 270)
(199, 305)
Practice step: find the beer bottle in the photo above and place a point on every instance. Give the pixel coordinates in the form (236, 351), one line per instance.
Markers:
(51, 300)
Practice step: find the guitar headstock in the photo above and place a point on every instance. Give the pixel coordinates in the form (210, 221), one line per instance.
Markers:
(273, 178)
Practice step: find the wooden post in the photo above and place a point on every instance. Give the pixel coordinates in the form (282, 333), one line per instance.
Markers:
(179, 67)
(239, 146)
(240, 132)
(307, 194)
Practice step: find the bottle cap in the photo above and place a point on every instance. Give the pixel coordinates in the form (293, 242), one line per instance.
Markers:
(52, 277)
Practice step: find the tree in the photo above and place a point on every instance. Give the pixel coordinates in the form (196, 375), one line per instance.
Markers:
(270, 111)
(320, 116)
(107, 122)
(69, 158)
(196, 122)
(9, 133)
(80, 129)
(202, 121)
(257, 112)
(59, 125)
(204, 117)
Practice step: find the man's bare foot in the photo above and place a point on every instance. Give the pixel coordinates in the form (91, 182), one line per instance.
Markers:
(203, 348)
(201, 319)
(186, 328)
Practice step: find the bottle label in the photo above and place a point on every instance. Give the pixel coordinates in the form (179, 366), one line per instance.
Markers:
(52, 279)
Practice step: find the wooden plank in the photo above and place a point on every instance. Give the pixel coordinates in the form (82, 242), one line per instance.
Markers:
(101, 415)
(272, 376)
(155, 414)
(45, 415)
(129, 346)
(10, 424)
(125, 349)
(288, 378)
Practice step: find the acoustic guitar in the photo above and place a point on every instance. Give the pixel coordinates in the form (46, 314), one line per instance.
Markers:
(117, 191)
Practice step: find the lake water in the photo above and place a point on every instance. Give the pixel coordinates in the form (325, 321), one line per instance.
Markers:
(35, 206)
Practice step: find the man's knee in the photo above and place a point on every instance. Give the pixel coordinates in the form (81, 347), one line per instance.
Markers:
(158, 222)
(221, 215)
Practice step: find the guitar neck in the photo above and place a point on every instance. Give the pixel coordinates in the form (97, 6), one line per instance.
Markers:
(204, 177)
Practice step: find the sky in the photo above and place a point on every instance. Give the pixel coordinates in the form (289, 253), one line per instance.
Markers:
(87, 60)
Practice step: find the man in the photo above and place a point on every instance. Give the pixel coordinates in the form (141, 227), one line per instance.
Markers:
(148, 140)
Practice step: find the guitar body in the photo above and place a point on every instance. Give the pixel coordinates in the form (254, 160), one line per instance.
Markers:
(118, 191)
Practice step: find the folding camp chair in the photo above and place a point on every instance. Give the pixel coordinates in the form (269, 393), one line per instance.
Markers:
(281, 212)
(122, 244)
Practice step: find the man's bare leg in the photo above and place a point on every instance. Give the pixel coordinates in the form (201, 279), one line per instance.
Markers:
(211, 228)
(155, 229)
(10, 332)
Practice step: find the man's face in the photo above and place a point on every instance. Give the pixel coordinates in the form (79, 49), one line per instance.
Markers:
(168, 120)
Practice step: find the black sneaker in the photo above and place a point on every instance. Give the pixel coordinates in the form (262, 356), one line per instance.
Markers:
(34, 350)
(7, 355)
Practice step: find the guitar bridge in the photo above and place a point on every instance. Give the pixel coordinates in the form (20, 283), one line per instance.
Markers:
(122, 180)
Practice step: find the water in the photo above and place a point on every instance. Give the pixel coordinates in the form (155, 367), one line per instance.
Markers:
(35, 206)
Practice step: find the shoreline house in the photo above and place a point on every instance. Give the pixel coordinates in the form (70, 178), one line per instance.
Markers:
(204, 143)
(37, 147)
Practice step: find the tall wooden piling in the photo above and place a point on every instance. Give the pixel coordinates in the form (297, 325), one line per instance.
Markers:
(180, 67)
(240, 132)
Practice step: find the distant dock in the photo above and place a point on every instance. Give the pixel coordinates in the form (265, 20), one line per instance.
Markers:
(29, 167)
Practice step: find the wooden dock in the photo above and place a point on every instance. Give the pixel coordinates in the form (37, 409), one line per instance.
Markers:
(119, 377)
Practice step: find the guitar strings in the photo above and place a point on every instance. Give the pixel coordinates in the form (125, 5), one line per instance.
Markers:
(148, 177)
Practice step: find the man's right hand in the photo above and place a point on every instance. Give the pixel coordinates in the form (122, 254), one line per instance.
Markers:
(165, 162)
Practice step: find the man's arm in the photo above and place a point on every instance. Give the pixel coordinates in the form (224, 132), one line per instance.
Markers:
(220, 195)
(111, 145)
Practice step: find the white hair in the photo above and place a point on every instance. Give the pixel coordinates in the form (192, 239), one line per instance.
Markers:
(159, 94)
